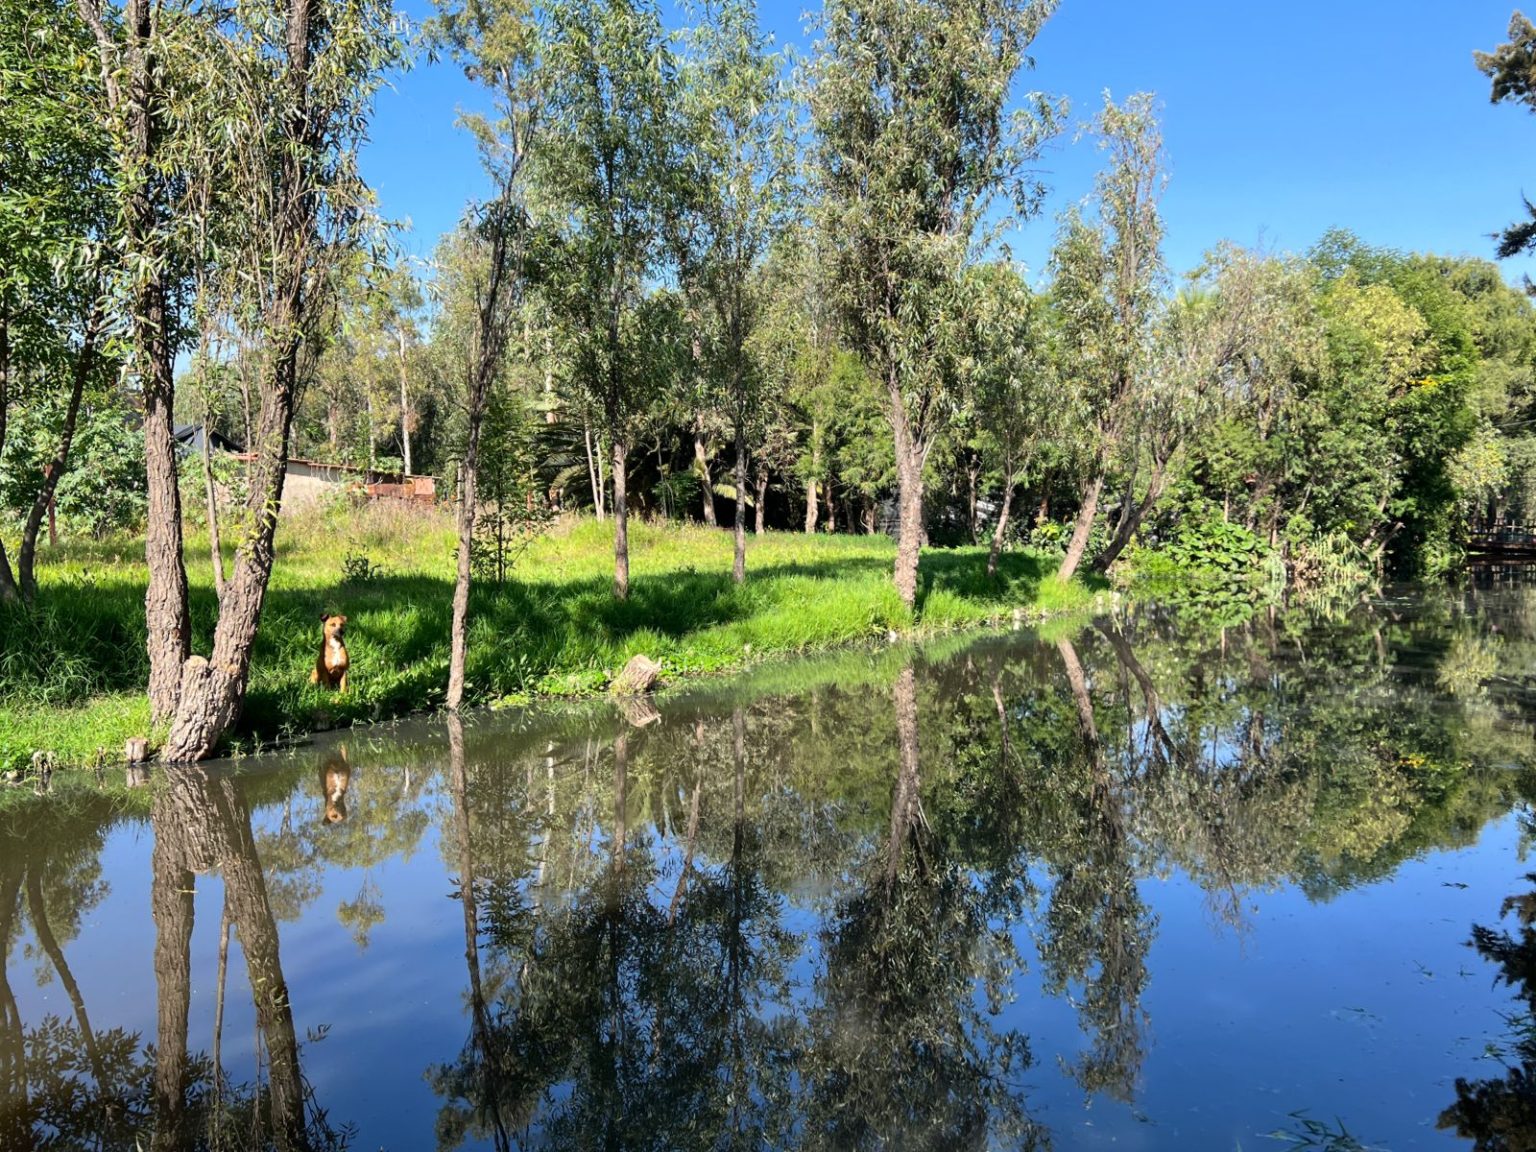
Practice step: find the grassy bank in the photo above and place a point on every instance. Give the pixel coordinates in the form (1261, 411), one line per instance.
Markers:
(72, 670)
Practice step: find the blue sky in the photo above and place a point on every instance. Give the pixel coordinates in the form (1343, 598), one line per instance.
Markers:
(1281, 119)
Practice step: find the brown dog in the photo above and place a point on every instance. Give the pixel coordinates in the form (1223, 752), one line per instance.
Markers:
(332, 664)
(335, 778)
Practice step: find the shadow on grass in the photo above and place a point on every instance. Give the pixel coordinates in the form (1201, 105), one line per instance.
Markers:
(87, 638)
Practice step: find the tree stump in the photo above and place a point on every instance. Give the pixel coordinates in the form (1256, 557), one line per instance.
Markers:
(137, 750)
(639, 677)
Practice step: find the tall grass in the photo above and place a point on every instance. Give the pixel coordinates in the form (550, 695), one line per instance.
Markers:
(72, 669)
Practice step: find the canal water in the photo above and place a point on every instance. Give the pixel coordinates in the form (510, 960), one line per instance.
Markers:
(1148, 884)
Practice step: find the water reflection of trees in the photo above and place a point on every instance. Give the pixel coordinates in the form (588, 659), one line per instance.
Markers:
(64, 1083)
(796, 920)
(648, 982)
(1498, 1113)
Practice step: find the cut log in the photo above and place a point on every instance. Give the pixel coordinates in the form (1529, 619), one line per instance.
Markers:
(639, 677)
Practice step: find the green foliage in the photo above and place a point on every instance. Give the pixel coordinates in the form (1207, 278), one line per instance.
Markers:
(72, 670)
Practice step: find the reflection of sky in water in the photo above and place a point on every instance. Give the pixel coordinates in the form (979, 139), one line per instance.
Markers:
(1365, 1006)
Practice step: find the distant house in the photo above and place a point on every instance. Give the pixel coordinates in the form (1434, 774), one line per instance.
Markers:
(189, 439)
(310, 480)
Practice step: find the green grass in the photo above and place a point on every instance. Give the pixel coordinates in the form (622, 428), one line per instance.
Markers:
(72, 670)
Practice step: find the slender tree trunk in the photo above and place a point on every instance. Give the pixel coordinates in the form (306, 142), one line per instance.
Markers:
(1131, 521)
(15, 1114)
(972, 496)
(26, 559)
(484, 1040)
(459, 636)
(1083, 528)
(8, 589)
(909, 476)
(760, 510)
(405, 406)
(811, 505)
(739, 568)
(1001, 530)
(620, 522)
(905, 801)
(211, 498)
(594, 469)
(701, 462)
(831, 506)
(50, 946)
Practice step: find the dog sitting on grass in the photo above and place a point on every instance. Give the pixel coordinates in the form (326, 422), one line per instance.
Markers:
(332, 663)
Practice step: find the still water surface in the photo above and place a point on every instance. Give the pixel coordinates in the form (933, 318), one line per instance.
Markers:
(1142, 885)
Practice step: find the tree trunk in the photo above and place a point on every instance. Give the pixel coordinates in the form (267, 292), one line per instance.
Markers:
(137, 99)
(480, 1021)
(459, 636)
(812, 506)
(26, 559)
(1001, 529)
(905, 801)
(739, 568)
(211, 497)
(213, 690)
(972, 482)
(1083, 528)
(1131, 522)
(909, 476)
(826, 490)
(170, 900)
(594, 469)
(405, 406)
(8, 589)
(15, 1114)
(50, 946)
(620, 522)
(760, 511)
(701, 463)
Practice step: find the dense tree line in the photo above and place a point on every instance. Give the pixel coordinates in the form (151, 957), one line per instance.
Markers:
(699, 281)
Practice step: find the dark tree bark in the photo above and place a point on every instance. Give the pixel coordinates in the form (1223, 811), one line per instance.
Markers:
(620, 521)
(739, 566)
(1000, 531)
(85, 359)
(8, 589)
(211, 498)
(1131, 519)
(37, 909)
(15, 1114)
(701, 462)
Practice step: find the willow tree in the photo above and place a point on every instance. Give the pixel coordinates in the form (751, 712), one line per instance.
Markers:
(735, 201)
(498, 45)
(1010, 357)
(909, 101)
(288, 87)
(1107, 269)
(137, 50)
(55, 232)
(604, 172)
